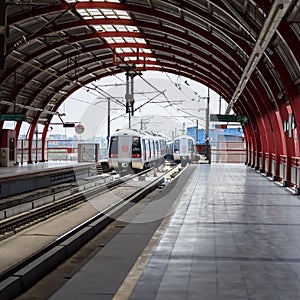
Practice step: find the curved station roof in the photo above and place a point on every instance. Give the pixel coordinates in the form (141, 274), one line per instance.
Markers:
(245, 50)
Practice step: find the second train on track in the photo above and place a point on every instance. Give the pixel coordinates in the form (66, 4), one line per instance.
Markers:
(136, 150)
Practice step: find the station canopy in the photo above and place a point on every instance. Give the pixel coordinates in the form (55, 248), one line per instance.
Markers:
(241, 49)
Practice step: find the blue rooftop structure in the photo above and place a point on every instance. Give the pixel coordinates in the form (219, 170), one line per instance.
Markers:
(229, 134)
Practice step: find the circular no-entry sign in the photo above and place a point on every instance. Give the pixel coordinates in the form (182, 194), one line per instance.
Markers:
(79, 129)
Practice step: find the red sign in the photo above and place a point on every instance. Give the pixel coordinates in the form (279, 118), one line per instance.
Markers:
(125, 148)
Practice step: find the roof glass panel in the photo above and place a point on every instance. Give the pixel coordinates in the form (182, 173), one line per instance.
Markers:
(120, 28)
(130, 58)
(132, 28)
(108, 28)
(119, 40)
(140, 41)
(109, 40)
(145, 50)
(129, 40)
(128, 50)
(94, 13)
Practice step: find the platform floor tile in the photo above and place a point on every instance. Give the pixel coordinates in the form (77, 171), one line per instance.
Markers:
(234, 235)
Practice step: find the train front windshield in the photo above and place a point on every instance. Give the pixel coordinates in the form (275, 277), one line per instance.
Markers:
(113, 150)
(176, 146)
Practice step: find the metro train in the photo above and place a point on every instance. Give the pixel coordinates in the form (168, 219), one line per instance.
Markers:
(183, 149)
(134, 150)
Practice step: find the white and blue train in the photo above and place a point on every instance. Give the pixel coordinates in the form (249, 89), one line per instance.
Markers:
(183, 149)
(135, 150)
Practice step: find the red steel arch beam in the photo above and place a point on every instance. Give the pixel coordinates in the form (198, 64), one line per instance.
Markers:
(290, 38)
(32, 98)
(33, 55)
(43, 86)
(227, 62)
(277, 121)
(174, 52)
(251, 130)
(259, 103)
(287, 109)
(137, 9)
(253, 110)
(293, 43)
(259, 111)
(162, 15)
(157, 27)
(278, 145)
(53, 46)
(270, 122)
(223, 45)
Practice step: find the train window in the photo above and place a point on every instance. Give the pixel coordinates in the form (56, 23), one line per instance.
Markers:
(136, 147)
(150, 153)
(156, 147)
(176, 146)
(153, 147)
(113, 149)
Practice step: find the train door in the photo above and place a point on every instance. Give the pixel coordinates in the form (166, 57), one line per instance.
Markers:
(153, 150)
(136, 147)
(147, 149)
(144, 151)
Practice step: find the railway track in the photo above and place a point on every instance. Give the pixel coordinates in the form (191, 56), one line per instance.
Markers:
(78, 195)
(24, 274)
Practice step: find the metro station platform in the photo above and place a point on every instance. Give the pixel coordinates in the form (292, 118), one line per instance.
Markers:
(230, 234)
(20, 179)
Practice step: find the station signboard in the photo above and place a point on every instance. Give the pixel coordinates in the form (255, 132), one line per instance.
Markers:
(12, 117)
(228, 118)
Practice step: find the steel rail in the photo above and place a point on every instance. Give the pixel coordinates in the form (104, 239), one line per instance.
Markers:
(12, 223)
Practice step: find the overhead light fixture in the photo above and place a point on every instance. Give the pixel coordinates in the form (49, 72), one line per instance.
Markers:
(270, 26)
